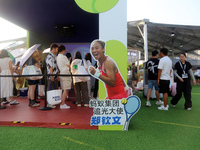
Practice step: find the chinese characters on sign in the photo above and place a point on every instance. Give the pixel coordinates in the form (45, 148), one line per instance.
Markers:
(108, 112)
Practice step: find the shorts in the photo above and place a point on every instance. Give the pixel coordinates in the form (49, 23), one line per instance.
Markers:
(133, 78)
(33, 82)
(164, 86)
(153, 83)
(66, 83)
(197, 77)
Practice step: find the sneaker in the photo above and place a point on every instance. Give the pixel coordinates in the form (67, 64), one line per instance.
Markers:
(148, 104)
(78, 105)
(64, 106)
(52, 106)
(14, 102)
(35, 105)
(159, 102)
(73, 102)
(6, 102)
(189, 109)
(37, 101)
(86, 105)
(173, 105)
(2, 107)
(163, 108)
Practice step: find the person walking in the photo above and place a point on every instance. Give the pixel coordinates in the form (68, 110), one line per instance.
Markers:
(52, 68)
(64, 65)
(183, 73)
(152, 72)
(164, 71)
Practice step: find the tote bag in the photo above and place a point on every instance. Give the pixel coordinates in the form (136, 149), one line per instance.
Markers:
(32, 70)
(81, 70)
(54, 96)
(41, 90)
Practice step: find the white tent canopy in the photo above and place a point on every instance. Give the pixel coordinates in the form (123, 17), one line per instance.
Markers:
(176, 38)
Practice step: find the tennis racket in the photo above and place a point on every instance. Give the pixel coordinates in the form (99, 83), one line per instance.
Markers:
(131, 107)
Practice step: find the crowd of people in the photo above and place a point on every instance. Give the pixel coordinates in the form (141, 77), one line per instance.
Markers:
(159, 76)
(59, 62)
(56, 62)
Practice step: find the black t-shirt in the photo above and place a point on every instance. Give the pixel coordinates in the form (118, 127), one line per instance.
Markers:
(180, 69)
(152, 66)
(134, 70)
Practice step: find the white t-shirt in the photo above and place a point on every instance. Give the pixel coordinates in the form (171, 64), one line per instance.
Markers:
(88, 63)
(63, 64)
(77, 63)
(166, 65)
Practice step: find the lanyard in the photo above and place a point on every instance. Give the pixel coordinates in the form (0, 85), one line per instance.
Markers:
(182, 66)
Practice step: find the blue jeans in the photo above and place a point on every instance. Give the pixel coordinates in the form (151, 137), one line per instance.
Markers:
(152, 83)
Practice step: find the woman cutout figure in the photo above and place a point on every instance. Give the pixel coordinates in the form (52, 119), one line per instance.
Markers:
(107, 72)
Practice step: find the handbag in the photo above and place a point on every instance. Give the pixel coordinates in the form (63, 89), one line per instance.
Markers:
(81, 70)
(54, 96)
(41, 90)
(32, 70)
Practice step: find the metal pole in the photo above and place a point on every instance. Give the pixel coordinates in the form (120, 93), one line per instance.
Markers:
(138, 65)
(45, 102)
(145, 41)
(172, 49)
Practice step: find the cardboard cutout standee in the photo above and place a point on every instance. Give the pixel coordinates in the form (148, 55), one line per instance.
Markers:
(116, 106)
(119, 106)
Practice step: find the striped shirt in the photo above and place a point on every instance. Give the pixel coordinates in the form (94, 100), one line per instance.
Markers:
(51, 62)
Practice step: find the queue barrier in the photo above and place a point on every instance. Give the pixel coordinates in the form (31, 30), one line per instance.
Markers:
(45, 75)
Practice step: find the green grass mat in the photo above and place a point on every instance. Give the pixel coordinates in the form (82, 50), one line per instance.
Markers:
(150, 129)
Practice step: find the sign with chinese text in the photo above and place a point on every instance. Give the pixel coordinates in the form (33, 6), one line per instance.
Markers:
(114, 112)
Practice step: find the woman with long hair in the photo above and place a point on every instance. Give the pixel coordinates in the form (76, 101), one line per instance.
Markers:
(7, 82)
(32, 83)
(109, 73)
(183, 73)
(80, 83)
(88, 59)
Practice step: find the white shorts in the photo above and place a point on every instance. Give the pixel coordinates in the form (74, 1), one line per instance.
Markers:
(66, 83)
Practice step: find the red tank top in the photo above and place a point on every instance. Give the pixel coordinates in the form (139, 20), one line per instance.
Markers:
(117, 91)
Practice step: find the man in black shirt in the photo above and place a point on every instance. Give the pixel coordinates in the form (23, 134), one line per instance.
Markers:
(152, 71)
